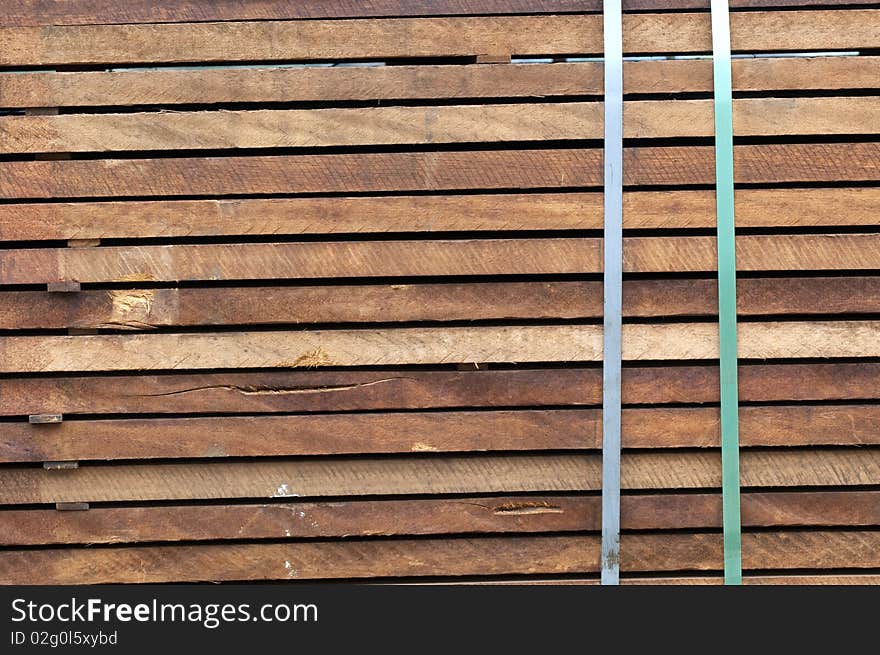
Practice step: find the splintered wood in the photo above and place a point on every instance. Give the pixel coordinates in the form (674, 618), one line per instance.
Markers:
(299, 322)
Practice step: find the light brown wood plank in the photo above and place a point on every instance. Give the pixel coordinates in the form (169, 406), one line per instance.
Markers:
(413, 258)
(432, 557)
(339, 434)
(282, 478)
(146, 309)
(370, 347)
(91, 12)
(766, 31)
(318, 390)
(267, 84)
(430, 171)
(303, 260)
(427, 516)
(501, 212)
(270, 128)
(498, 212)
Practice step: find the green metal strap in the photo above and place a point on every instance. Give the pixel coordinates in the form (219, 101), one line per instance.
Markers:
(726, 292)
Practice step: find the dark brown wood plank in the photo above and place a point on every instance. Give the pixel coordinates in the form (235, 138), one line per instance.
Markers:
(339, 434)
(763, 31)
(430, 171)
(433, 557)
(427, 516)
(91, 12)
(267, 84)
(307, 391)
(849, 578)
(145, 309)
(364, 476)
(498, 212)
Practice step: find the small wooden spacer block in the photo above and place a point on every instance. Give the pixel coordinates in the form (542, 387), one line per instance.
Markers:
(71, 507)
(492, 59)
(63, 287)
(42, 419)
(60, 466)
(83, 243)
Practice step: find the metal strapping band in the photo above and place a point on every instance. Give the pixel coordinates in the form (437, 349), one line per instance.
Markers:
(613, 281)
(726, 292)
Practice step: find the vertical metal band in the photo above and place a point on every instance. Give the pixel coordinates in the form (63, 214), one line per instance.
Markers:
(613, 281)
(726, 292)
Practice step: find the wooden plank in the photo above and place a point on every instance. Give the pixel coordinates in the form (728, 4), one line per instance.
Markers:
(267, 84)
(396, 346)
(431, 557)
(763, 31)
(365, 518)
(79, 12)
(497, 212)
(429, 171)
(815, 579)
(338, 434)
(271, 128)
(319, 260)
(282, 478)
(145, 309)
(308, 391)
(850, 578)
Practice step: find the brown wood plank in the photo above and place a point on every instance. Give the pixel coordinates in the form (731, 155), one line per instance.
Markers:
(270, 128)
(91, 12)
(800, 579)
(145, 309)
(449, 345)
(432, 557)
(305, 260)
(307, 391)
(267, 84)
(766, 31)
(267, 261)
(499, 212)
(427, 516)
(850, 578)
(282, 478)
(430, 171)
(339, 434)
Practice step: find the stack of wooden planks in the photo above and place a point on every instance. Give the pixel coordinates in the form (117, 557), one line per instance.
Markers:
(313, 290)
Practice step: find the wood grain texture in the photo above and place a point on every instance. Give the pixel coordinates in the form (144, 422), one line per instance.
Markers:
(411, 258)
(826, 579)
(282, 478)
(854, 578)
(431, 557)
(498, 212)
(80, 12)
(272, 128)
(430, 171)
(450, 345)
(77, 12)
(763, 31)
(341, 434)
(147, 309)
(317, 390)
(469, 514)
(267, 84)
